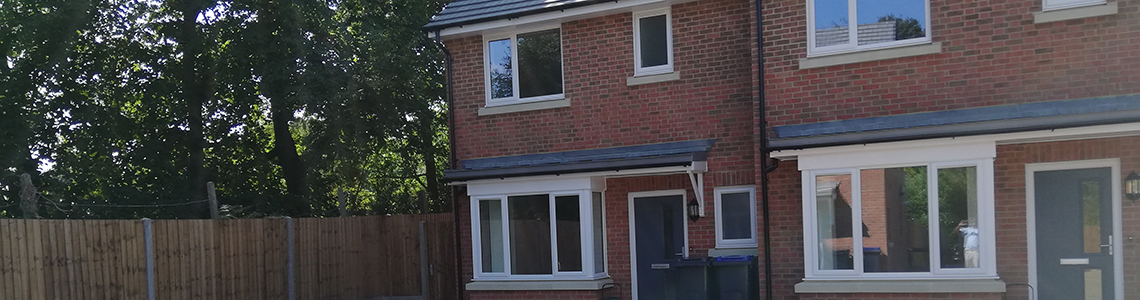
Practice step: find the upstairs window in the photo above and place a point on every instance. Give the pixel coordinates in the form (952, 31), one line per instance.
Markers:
(523, 67)
(653, 42)
(876, 23)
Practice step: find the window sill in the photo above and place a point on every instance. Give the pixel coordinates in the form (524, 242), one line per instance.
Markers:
(647, 79)
(902, 286)
(1075, 13)
(539, 285)
(521, 107)
(869, 55)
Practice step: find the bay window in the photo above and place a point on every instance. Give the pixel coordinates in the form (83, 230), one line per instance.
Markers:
(555, 235)
(913, 220)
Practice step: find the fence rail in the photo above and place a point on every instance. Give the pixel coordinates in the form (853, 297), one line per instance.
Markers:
(332, 258)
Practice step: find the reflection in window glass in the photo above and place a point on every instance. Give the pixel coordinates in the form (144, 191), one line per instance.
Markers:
(833, 216)
(654, 41)
(883, 21)
(530, 234)
(599, 235)
(569, 228)
(540, 63)
(491, 235)
(736, 219)
(958, 217)
(831, 23)
(502, 82)
(895, 231)
(1090, 202)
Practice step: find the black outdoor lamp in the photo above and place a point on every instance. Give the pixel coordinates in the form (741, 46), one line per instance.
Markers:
(1132, 186)
(694, 209)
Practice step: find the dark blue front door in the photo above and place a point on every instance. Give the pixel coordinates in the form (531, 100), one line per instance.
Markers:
(1074, 229)
(659, 227)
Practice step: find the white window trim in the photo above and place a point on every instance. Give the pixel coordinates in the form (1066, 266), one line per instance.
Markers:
(513, 37)
(852, 44)
(585, 202)
(986, 225)
(721, 242)
(1047, 5)
(654, 70)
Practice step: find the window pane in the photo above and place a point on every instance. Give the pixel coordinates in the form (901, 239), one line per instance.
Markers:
(1090, 202)
(958, 217)
(569, 229)
(599, 235)
(530, 234)
(654, 41)
(895, 231)
(499, 53)
(882, 21)
(540, 63)
(491, 235)
(831, 22)
(736, 216)
(833, 221)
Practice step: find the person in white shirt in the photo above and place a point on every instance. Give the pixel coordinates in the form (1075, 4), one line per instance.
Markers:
(970, 243)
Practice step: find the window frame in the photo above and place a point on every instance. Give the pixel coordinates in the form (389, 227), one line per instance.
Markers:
(853, 36)
(638, 70)
(513, 37)
(1065, 4)
(721, 242)
(586, 237)
(985, 197)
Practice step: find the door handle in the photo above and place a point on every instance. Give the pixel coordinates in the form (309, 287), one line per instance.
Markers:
(1109, 245)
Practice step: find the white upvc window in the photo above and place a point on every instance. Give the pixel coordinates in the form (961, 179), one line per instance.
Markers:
(908, 220)
(735, 217)
(1063, 4)
(523, 66)
(653, 42)
(556, 235)
(878, 24)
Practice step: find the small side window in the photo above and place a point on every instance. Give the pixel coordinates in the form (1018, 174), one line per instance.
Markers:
(736, 217)
(653, 42)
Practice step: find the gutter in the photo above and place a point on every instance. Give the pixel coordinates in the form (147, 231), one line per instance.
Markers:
(451, 161)
(765, 152)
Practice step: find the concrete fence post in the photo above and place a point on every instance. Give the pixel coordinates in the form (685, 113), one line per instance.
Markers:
(148, 240)
(290, 284)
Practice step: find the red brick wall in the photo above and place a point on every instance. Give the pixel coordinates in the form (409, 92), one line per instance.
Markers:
(993, 54)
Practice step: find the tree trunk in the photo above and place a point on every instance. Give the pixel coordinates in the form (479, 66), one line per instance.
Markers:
(427, 146)
(285, 148)
(193, 89)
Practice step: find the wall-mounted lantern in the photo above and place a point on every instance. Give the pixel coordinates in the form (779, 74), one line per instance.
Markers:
(694, 210)
(1132, 186)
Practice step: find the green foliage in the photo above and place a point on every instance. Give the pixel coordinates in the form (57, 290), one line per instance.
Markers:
(106, 103)
(905, 28)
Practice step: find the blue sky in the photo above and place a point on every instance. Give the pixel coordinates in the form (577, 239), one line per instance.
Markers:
(828, 12)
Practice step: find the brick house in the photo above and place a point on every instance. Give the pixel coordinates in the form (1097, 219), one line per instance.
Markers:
(940, 150)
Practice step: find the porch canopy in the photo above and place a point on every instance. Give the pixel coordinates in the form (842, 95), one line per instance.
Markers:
(963, 122)
(674, 154)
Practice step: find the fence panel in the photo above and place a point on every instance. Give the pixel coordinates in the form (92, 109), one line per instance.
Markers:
(333, 258)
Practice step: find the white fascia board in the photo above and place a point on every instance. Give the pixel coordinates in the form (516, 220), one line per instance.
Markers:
(896, 153)
(573, 14)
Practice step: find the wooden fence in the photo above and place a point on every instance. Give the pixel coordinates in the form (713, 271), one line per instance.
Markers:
(332, 258)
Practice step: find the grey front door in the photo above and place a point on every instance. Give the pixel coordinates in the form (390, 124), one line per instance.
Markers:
(1073, 211)
(659, 225)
